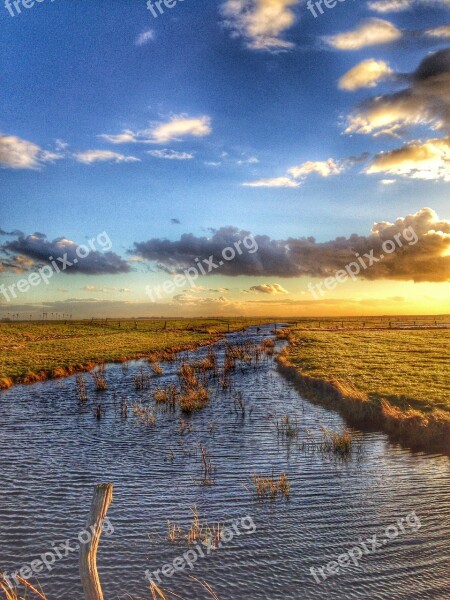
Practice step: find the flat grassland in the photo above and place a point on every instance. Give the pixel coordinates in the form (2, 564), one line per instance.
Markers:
(398, 379)
(35, 351)
(408, 368)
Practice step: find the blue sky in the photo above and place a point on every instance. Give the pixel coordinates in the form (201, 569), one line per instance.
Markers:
(247, 114)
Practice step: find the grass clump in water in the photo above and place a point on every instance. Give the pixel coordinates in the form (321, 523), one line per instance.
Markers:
(269, 488)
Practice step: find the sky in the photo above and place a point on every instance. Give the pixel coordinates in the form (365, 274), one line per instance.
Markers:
(139, 151)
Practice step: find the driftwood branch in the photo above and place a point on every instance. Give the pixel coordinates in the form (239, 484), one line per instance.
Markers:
(101, 501)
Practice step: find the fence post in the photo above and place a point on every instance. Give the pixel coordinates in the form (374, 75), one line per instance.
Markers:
(103, 494)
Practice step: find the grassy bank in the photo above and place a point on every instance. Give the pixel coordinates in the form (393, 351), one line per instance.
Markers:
(398, 380)
(36, 351)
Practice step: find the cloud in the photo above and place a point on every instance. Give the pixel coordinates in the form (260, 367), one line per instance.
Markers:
(427, 260)
(261, 23)
(14, 233)
(145, 37)
(371, 32)
(425, 101)
(186, 299)
(38, 249)
(269, 288)
(92, 156)
(297, 175)
(439, 32)
(274, 182)
(181, 127)
(387, 6)
(126, 137)
(174, 130)
(251, 160)
(17, 264)
(170, 154)
(175, 222)
(367, 74)
(16, 153)
(388, 181)
(324, 168)
(418, 160)
(105, 290)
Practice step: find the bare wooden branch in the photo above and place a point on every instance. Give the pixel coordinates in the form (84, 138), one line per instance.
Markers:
(101, 501)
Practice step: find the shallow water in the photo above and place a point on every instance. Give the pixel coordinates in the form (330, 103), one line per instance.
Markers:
(53, 450)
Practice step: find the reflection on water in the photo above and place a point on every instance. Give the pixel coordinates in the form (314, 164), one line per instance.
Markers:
(53, 450)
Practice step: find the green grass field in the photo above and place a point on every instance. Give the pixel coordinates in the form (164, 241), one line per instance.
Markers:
(406, 367)
(46, 347)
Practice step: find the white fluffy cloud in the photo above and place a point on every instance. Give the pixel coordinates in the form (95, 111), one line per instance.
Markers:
(261, 23)
(439, 32)
(297, 174)
(366, 74)
(145, 37)
(181, 127)
(174, 130)
(284, 182)
(386, 6)
(371, 32)
(390, 6)
(269, 288)
(170, 154)
(16, 153)
(418, 160)
(92, 156)
(324, 168)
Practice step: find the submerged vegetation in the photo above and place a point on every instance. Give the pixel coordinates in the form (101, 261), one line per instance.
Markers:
(269, 487)
(198, 532)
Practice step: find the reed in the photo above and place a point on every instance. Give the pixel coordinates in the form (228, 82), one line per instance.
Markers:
(167, 396)
(338, 442)
(202, 532)
(141, 380)
(81, 389)
(239, 403)
(175, 532)
(99, 378)
(270, 487)
(144, 414)
(185, 427)
(188, 376)
(287, 427)
(193, 395)
(99, 411)
(207, 466)
(12, 593)
(157, 369)
(193, 399)
(159, 594)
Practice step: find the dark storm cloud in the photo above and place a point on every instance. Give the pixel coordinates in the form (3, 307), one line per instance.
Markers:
(421, 259)
(34, 250)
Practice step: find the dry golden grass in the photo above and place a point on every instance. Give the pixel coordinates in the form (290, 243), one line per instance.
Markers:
(269, 487)
(159, 594)
(12, 593)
